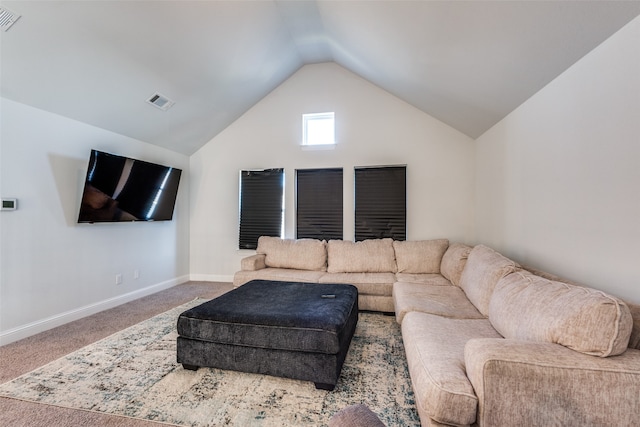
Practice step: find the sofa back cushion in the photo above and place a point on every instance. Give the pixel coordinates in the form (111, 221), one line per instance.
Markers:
(302, 254)
(528, 307)
(634, 341)
(481, 273)
(453, 262)
(367, 256)
(420, 256)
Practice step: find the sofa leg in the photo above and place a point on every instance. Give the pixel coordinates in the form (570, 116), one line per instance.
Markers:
(324, 386)
(190, 367)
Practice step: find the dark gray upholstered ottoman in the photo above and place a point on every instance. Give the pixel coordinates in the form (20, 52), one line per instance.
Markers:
(285, 329)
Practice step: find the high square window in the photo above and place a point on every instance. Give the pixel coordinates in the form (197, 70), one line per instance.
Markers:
(318, 129)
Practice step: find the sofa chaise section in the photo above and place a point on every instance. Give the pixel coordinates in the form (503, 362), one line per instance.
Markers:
(434, 346)
(536, 351)
(567, 357)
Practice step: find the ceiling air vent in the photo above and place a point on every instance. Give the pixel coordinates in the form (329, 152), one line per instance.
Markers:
(7, 18)
(160, 101)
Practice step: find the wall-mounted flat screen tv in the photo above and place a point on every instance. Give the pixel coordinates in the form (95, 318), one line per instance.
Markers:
(120, 189)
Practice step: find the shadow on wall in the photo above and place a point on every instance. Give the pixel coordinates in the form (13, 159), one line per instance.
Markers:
(68, 175)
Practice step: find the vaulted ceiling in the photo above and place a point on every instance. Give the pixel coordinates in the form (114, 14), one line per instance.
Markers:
(466, 63)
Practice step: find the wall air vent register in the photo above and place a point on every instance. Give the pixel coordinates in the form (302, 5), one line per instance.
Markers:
(160, 101)
(7, 18)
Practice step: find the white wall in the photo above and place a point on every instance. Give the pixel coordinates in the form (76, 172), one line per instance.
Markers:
(372, 128)
(54, 270)
(555, 185)
(558, 180)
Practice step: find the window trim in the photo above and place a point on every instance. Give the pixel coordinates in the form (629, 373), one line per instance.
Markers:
(310, 117)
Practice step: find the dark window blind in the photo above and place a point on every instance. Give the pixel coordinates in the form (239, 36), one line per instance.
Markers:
(261, 195)
(319, 204)
(381, 203)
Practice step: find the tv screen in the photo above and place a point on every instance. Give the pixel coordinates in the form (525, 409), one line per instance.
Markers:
(120, 189)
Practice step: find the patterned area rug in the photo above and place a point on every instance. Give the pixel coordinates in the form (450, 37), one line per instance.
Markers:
(134, 373)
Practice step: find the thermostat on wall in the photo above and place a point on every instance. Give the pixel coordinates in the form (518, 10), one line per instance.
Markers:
(9, 204)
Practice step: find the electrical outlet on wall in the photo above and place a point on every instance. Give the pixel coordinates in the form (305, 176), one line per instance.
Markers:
(118, 279)
(136, 274)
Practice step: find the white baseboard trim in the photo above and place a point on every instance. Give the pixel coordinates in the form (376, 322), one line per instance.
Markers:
(36, 327)
(210, 278)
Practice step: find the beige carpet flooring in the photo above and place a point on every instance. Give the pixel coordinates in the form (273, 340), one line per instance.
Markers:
(23, 356)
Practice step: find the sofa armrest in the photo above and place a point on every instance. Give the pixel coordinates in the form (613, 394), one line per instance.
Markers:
(533, 383)
(253, 262)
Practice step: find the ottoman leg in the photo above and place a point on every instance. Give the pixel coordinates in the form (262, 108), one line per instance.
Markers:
(324, 386)
(190, 367)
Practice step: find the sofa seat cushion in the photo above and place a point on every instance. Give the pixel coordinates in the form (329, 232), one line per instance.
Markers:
(448, 301)
(435, 355)
(426, 279)
(483, 270)
(302, 254)
(454, 261)
(277, 274)
(528, 307)
(367, 256)
(367, 283)
(420, 256)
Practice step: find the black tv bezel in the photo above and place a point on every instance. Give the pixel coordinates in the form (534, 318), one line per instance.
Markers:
(84, 218)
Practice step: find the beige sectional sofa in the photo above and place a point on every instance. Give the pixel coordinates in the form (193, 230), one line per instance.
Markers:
(488, 342)
(373, 266)
(502, 346)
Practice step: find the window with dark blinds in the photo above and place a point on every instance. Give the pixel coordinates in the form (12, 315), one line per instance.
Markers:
(319, 204)
(380, 203)
(261, 207)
